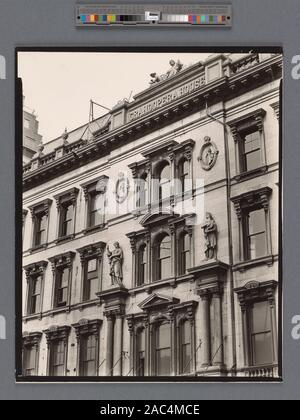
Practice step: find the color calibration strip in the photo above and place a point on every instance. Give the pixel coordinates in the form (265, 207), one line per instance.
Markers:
(120, 19)
(139, 15)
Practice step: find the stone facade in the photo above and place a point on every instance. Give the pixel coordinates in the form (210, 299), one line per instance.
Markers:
(194, 307)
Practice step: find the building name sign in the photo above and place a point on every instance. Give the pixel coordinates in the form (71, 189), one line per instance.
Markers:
(166, 98)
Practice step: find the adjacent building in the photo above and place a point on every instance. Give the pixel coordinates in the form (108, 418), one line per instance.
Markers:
(32, 140)
(127, 272)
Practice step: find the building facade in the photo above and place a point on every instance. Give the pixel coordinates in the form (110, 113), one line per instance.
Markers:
(151, 235)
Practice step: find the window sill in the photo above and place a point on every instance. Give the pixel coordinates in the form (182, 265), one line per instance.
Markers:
(38, 248)
(244, 265)
(92, 229)
(171, 282)
(63, 239)
(85, 304)
(55, 311)
(32, 317)
(251, 174)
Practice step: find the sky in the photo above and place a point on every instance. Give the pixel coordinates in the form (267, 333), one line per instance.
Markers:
(58, 86)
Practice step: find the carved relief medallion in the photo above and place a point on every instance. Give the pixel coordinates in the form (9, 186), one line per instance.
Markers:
(208, 154)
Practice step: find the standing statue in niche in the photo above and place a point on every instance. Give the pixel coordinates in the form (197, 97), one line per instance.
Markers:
(115, 261)
(210, 235)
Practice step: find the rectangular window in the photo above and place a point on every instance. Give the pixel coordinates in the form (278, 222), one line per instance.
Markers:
(67, 214)
(34, 303)
(250, 150)
(88, 355)
(185, 347)
(97, 210)
(91, 279)
(140, 345)
(29, 360)
(57, 358)
(62, 287)
(163, 350)
(256, 245)
(40, 229)
(261, 334)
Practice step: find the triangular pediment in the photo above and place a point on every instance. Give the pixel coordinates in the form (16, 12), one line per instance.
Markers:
(151, 219)
(157, 300)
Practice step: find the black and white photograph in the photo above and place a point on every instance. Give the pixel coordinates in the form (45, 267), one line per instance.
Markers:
(151, 215)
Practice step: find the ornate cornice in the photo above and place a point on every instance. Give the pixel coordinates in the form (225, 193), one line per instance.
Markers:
(254, 291)
(97, 185)
(91, 251)
(66, 196)
(253, 118)
(62, 260)
(250, 199)
(40, 207)
(35, 269)
(31, 339)
(87, 326)
(57, 333)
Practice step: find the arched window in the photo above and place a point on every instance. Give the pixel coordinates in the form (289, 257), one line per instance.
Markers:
(184, 176)
(184, 253)
(164, 178)
(185, 347)
(162, 257)
(163, 349)
(140, 352)
(142, 264)
(142, 191)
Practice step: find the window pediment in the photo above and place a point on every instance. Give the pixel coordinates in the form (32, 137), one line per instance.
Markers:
(156, 301)
(152, 219)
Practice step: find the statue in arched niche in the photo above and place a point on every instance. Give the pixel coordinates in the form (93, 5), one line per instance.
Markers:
(210, 235)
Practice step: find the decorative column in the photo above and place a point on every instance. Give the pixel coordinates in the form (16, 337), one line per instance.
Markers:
(173, 343)
(114, 309)
(217, 356)
(210, 278)
(205, 298)
(130, 321)
(109, 343)
(118, 345)
(271, 299)
(173, 249)
(245, 330)
(238, 210)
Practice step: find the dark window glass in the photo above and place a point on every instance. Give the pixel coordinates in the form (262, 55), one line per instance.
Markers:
(257, 241)
(97, 210)
(184, 176)
(67, 220)
(62, 287)
(30, 355)
(40, 234)
(57, 358)
(261, 334)
(163, 350)
(163, 261)
(164, 182)
(185, 347)
(35, 295)
(252, 155)
(184, 257)
(91, 279)
(140, 351)
(88, 355)
(142, 264)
